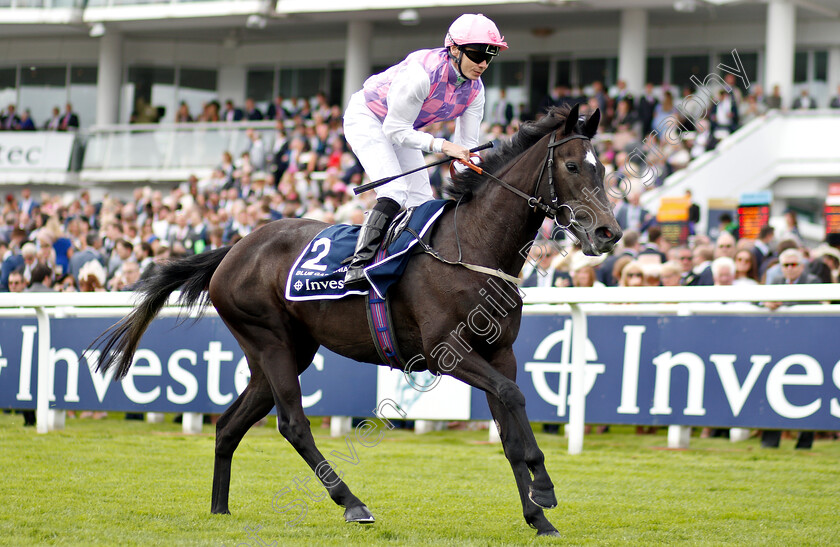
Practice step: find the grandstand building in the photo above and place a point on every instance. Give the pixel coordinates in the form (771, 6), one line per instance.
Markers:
(113, 59)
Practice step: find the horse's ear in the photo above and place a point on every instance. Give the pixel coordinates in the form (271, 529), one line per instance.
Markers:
(571, 120)
(591, 125)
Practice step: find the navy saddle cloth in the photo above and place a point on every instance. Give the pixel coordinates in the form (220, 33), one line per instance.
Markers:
(318, 273)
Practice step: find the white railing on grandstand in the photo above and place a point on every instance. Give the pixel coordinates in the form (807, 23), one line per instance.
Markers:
(125, 152)
(112, 3)
(41, 4)
(580, 301)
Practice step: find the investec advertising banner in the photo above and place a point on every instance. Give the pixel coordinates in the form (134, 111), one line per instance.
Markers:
(771, 371)
(35, 150)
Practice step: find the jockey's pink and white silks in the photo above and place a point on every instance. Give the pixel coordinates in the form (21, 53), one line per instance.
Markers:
(446, 101)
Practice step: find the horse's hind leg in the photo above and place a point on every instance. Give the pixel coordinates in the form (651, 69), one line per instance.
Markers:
(515, 453)
(251, 405)
(281, 362)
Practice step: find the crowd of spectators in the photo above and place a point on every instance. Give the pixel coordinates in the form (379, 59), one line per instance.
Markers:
(305, 169)
(11, 120)
(52, 242)
(725, 260)
(670, 126)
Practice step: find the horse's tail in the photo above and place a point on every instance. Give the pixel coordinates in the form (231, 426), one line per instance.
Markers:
(191, 274)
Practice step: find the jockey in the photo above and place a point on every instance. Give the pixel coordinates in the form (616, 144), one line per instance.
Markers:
(382, 121)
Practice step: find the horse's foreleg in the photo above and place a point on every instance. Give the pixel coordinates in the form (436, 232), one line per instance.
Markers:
(515, 453)
(477, 372)
(252, 405)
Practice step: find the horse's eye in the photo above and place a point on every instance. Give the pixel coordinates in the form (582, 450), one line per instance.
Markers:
(572, 167)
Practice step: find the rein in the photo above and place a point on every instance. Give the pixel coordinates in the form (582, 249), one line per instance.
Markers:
(550, 210)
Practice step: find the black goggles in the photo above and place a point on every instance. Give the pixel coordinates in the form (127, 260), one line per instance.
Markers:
(478, 53)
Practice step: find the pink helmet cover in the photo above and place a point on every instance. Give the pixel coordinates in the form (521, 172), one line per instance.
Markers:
(474, 28)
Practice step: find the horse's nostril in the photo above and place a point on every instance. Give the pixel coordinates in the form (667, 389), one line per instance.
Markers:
(606, 235)
(603, 233)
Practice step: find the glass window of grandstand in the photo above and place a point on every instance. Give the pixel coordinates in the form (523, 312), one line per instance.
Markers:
(285, 81)
(563, 75)
(196, 88)
(153, 94)
(683, 67)
(821, 66)
(810, 72)
(41, 89)
(800, 67)
(82, 94)
(260, 87)
(750, 63)
(655, 70)
(510, 76)
(310, 82)
(596, 70)
(301, 83)
(539, 85)
(8, 87)
(336, 85)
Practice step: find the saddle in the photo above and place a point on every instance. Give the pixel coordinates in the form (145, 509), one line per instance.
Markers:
(397, 227)
(318, 272)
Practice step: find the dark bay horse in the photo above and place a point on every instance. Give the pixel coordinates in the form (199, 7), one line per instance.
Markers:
(548, 168)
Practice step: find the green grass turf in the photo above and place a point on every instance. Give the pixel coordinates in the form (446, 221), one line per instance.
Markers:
(116, 482)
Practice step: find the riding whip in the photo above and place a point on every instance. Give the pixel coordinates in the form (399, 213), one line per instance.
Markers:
(380, 182)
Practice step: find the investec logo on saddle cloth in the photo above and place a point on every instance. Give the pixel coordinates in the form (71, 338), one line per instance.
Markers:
(318, 274)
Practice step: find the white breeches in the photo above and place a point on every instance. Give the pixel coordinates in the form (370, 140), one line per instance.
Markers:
(382, 159)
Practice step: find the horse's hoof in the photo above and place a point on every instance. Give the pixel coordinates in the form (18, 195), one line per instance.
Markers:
(360, 514)
(549, 533)
(544, 499)
(220, 511)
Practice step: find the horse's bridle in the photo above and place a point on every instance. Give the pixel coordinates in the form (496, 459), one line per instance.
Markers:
(552, 209)
(549, 209)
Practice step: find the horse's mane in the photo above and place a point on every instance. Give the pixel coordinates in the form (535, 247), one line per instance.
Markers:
(467, 183)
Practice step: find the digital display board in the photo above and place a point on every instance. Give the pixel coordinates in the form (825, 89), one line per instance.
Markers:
(751, 218)
(673, 219)
(753, 213)
(832, 209)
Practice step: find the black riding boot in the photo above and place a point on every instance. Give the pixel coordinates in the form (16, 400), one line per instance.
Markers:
(371, 234)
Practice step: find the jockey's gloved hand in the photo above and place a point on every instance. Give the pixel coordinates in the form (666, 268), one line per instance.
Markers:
(459, 167)
(455, 151)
